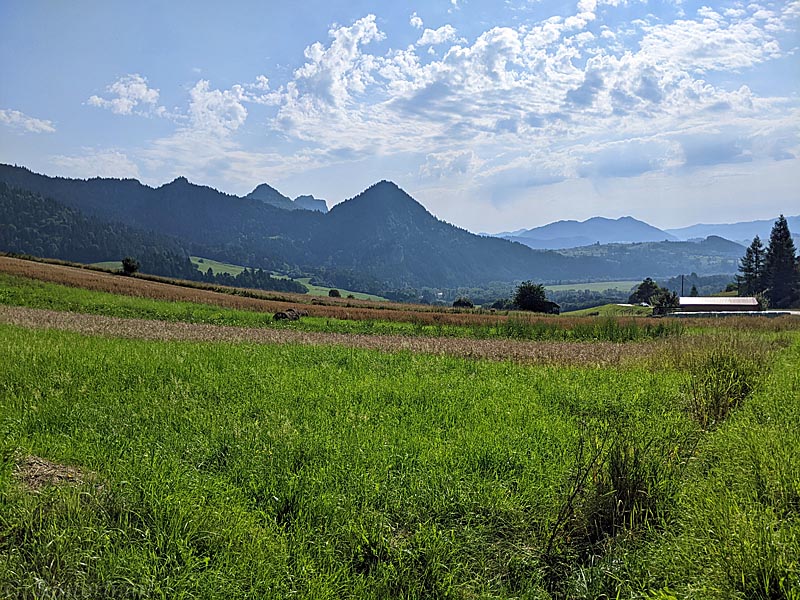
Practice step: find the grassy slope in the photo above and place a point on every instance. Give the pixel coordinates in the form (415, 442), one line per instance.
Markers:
(318, 290)
(612, 310)
(203, 264)
(111, 265)
(239, 471)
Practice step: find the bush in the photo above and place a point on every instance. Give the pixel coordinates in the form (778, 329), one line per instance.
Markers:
(334, 293)
(130, 265)
(463, 303)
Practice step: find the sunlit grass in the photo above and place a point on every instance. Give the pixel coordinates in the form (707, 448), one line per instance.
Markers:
(222, 470)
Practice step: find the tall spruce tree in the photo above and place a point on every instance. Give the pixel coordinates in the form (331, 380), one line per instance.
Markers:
(780, 267)
(751, 266)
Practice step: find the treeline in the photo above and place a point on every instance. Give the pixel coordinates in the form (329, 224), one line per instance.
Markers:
(773, 273)
(252, 278)
(705, 285)
(38, 226)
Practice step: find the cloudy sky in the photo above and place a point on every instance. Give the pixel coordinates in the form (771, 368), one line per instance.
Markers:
(494, 114)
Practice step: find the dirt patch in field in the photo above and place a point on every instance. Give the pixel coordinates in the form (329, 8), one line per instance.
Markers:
(36, 473)
(561, 353)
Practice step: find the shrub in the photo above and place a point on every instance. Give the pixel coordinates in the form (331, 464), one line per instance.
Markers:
(130, 265)
(718, 383)
(463, 303)
(334, 293)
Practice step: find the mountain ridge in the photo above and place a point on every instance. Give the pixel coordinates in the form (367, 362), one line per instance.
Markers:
(380, 239)
(571, 233)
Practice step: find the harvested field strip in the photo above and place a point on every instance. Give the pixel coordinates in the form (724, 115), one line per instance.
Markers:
(31, 293)
(562, 353)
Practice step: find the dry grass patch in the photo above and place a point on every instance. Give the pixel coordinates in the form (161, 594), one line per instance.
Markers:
(593, 354)
(35, 473)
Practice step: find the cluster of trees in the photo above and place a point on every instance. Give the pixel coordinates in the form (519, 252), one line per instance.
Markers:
(705, 285)
(772, 273)
(528, 296)
(257, 279)
(649, 292)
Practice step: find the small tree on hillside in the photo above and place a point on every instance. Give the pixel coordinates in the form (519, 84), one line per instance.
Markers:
(644, 292)
(531, 296)
(693, 292)
(130, 265)
(334, 293)
(780, 268)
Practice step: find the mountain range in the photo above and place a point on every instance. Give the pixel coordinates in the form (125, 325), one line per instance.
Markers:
(597, 230)
(742, 232)
(562, 235)
(381, 239)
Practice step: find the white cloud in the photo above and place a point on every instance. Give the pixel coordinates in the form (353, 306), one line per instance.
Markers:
(711, 43)
(434, 37)
(451, 162)
(19, 120)
(415, 21)
(98, 163)
(130, 92)
(332, 74)
(216, 112)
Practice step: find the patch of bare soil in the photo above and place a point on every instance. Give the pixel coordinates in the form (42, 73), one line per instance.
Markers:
(560, 353)
(36, 473)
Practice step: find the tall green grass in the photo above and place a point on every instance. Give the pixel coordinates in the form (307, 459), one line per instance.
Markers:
(220, 470)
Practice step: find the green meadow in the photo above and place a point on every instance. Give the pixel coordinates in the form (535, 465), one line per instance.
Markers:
(236, 470)
(219, 470)
(597, 286)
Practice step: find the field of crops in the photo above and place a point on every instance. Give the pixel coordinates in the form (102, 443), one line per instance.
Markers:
(160, 449)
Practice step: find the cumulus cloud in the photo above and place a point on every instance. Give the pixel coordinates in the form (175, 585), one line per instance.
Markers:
(444, 164)
(434, 37)
(130, 92)
(562, 98)
(19, 120)
(332, 74)
(710, 43)
(216, 112)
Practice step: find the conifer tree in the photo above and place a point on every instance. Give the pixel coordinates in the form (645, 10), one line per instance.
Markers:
(780, 267)
(751, 266)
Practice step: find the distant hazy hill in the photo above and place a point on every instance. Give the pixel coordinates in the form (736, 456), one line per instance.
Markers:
(714, 255)
(743, 231)
(571, 234)
(308, 202)
(269, 195)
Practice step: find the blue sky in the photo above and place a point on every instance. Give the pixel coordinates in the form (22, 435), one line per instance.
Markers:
(495, 115)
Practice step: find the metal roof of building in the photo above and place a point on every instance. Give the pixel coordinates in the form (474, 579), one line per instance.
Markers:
(709, 300)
